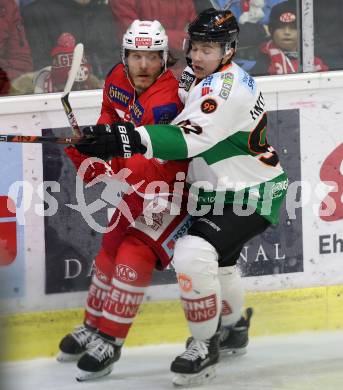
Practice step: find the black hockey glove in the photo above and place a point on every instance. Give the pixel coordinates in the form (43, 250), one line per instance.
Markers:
(117, 140)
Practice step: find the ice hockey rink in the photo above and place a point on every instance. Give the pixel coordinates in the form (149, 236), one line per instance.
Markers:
(306, 361)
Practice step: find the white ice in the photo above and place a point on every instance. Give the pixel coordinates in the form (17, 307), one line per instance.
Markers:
(307, 361)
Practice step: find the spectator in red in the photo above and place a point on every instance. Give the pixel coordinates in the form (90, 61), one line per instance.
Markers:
(89, 21)
(280, 55)
(15, 54)
(174, 15)
(53, 78)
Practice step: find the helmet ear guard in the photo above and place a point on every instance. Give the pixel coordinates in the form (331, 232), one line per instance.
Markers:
(145, 35)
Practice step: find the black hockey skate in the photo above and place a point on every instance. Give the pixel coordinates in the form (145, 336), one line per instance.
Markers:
(98, 361)
(197, 364)
(235, 338)
(74, 344)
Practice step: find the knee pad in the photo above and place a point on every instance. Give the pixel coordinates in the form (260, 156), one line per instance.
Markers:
(232, 294)
(196, 265)
(194, 255)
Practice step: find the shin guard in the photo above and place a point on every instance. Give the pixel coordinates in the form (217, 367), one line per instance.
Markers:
(196, 265)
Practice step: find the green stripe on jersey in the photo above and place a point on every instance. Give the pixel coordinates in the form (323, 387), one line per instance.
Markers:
(270, 197)
(235, 145)
(167, 141)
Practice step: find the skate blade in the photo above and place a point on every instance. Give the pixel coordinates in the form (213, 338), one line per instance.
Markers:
(233, 352)
(187, 380)
(83, 376)
(63, 357)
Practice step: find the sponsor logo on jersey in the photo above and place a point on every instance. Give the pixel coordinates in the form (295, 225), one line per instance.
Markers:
(143, 41)
(278, 189)
(200, 310)
(206, 91)
(248, 82)
(119, 95)
(137, 111)
(169, 244)
(226, 86)
(207, 80)
(185, 282)
(157, 221)
(186, 80)
(125, 273)
(164, 114)
(208, 106)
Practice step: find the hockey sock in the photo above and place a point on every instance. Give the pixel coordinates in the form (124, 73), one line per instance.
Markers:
(232, 293)
(133, 267)
(100, 285)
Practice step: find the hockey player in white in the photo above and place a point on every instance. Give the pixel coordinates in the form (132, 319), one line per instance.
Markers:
(234, 175)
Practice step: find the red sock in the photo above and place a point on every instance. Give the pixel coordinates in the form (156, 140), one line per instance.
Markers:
(133, 267)
(100, 285)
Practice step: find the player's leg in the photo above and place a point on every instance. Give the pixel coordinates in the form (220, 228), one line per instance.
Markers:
(203, 286)
(133, 267)
(196, 265)
(74, 344)
(234, 329)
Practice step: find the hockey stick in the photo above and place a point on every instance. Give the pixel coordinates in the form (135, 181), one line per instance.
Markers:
(33, 139)
(77, 59)
(75, 66)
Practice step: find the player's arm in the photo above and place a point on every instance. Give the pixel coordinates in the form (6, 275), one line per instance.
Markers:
(191, 133)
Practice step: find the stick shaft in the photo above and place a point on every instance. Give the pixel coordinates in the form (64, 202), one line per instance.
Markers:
(42, 139)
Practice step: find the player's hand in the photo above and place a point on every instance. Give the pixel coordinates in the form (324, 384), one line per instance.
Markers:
(117, 140)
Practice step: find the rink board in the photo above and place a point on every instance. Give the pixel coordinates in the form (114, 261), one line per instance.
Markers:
(37, 334)
(305, 252)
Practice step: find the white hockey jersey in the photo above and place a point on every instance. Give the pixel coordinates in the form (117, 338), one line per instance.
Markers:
(222, 128)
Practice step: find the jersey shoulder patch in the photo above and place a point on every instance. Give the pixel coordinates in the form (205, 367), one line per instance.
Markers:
(186, 80)
(208, 106)
(164, 114)
(119, 95)
(247, 81)
(226, 86)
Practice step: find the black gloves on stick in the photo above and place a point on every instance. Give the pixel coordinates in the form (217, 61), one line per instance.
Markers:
(108, 141)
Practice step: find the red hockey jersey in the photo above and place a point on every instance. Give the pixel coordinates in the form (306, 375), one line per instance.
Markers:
(158, 104)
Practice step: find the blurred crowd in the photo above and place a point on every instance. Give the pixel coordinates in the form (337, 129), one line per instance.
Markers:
(37, 37)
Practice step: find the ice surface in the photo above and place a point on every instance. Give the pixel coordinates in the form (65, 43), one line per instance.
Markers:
(308, 361)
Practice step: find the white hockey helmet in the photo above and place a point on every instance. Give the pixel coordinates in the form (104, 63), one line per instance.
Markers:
(146, 35)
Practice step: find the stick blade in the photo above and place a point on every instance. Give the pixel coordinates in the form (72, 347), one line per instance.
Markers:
(75, 66)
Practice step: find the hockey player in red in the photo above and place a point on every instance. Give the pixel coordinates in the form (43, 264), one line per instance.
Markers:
(143, 91)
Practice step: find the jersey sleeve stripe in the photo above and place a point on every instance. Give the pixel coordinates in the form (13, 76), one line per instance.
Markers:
(168, 142)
